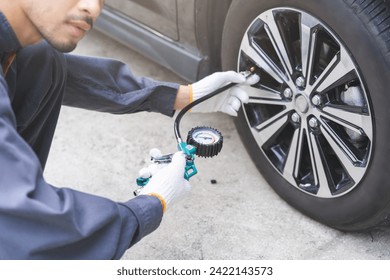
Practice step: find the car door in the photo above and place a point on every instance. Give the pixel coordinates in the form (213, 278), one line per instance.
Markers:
(160, 16)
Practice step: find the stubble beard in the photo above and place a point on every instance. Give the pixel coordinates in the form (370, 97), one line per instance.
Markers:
(55, 39)
(61, 47)
(56, 44)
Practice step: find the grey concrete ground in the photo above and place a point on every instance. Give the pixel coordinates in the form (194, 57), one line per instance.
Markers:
(240, 217)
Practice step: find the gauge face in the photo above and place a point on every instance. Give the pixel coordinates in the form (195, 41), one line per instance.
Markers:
(207, 141)
(206, 136)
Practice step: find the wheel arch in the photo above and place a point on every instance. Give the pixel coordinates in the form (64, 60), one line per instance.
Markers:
(210, 19)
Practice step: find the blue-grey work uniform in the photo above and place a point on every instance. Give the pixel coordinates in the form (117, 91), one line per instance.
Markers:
(41, 221)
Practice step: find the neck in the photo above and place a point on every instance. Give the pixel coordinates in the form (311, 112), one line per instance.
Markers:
(25, 30)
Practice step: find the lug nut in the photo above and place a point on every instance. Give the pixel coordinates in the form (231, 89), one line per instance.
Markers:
(316, 100)
(300, 82)
(287, 93)
(295, 118)
(313, 123)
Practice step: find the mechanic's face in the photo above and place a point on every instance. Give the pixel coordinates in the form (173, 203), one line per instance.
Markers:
(63, 23)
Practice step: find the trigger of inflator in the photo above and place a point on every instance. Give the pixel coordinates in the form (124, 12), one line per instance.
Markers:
(189, 151)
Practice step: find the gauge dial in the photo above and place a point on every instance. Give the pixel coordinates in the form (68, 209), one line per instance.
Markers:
(207, 140)
(206, 137)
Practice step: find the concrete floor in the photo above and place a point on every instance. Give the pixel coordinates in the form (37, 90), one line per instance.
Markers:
(240, 217)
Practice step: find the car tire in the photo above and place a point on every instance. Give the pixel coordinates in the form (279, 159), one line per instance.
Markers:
(350, 196)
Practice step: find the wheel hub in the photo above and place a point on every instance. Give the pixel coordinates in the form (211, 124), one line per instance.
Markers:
(302, 104)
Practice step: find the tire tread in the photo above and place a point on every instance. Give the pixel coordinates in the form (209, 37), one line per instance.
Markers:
(375, 14)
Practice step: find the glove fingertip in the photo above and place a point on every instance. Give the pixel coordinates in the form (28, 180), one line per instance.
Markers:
(235, 77)
(235, 104)
(254, 79)
(144, 173)
(155, 152)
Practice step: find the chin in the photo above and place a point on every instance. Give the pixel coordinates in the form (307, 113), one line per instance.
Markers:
(63, 47)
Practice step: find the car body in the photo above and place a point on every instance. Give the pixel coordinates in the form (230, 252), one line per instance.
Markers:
(316, 123)
(173, 33)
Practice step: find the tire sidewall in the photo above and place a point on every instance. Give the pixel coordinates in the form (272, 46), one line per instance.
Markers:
(368, 203)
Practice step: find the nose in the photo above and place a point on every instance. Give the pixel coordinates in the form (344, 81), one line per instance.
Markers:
(92, 7)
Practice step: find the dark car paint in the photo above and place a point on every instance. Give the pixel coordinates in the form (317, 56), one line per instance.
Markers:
(191, 49)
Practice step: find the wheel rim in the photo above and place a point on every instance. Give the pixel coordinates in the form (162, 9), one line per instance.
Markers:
(310, 114)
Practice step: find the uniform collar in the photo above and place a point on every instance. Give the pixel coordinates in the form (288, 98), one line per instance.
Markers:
(8, 40)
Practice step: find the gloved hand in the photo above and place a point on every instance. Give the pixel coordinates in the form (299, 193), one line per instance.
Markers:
(148, 172)
(228, 102)
(167, 181)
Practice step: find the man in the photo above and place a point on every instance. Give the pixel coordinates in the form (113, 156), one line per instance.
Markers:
(38, 220)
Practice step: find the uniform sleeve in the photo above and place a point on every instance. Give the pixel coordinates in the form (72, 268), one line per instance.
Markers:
(41, 221)
(109, 86)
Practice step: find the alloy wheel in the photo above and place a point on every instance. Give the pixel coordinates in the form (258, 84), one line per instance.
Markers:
(310, 114)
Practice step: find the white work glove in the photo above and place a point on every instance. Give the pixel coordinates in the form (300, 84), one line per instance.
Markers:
(148, 172)
(228, 102)
(167, 182)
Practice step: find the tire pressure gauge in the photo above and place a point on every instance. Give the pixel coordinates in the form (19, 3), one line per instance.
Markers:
(207, 141)
(202, 141)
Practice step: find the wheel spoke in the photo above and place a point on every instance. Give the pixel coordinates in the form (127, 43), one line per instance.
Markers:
(359, 123)
(263, 96)
(257, 55)
(262, 93)
(340, 66)
(270, 127)
(308, 42)
(270, 102)
(346, 157)
(277, 41)
(320, 178)
(339, 142)
(292, 162)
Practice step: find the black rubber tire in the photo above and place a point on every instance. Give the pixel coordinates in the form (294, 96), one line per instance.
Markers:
(364, 27)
